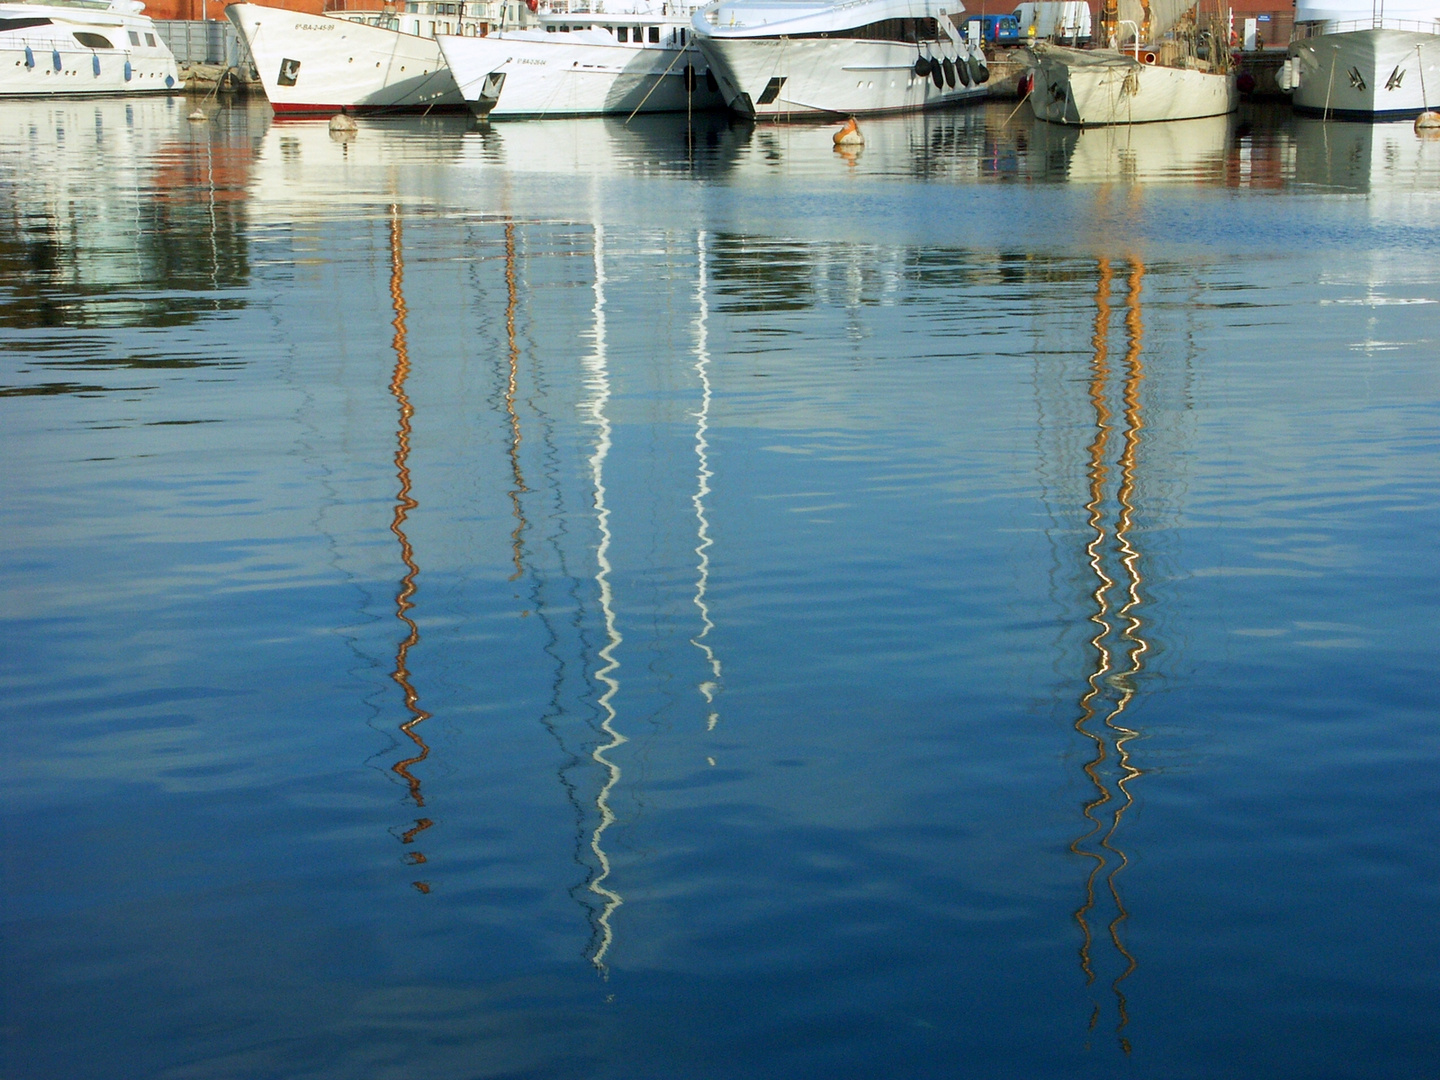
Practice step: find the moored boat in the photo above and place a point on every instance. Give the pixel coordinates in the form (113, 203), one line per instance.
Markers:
(797, 57)
(364, 61)
(615, 58)
(1184, 73)
(1356, 61)
(82, 47)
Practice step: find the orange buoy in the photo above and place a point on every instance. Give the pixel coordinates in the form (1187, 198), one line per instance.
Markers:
(849, 135)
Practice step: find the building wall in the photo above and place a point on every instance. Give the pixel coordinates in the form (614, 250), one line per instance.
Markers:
(215, 9)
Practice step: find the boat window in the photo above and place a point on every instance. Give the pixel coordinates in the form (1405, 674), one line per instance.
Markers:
(654, 35)
(134, 38)
(551, 29)
(412, 8)
(906, 30)
(622, 33)
(150, 40)
(21, 24)
(92, 41)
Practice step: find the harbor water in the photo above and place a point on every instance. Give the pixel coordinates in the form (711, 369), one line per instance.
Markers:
(581, 599)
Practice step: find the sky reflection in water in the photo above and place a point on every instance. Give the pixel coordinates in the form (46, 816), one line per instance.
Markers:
(575, 600)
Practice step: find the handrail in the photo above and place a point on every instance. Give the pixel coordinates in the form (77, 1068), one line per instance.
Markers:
(1321, 27)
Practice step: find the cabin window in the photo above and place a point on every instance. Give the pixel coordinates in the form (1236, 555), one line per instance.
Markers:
(551, 29)
(412, 8)
(92, 41)
(134, 38)
(21, 24)
(654, 35)
(150, 40)
(622, 33)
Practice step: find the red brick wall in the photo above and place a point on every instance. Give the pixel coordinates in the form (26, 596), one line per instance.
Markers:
(215, 9)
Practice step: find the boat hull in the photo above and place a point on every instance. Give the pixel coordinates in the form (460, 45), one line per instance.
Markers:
(825, 77)
(1364, 74)
(46, 59)
(317, 64)
(563, 75)
(1100, 88)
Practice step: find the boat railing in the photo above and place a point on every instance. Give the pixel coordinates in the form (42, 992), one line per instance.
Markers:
(1352, 26)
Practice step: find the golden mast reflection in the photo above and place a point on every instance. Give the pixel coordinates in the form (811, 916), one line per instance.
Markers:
(1118, 641)
(404, 503)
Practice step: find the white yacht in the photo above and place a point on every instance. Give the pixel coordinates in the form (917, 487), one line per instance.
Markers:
(1358, 60)
(586, 59)
(82, 47)
(798, 57)
(364, 60)
(1183, 73)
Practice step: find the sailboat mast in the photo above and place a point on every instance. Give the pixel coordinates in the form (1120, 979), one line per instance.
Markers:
(1110, 23)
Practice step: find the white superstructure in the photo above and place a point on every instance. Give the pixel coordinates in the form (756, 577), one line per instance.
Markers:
(1364, 61)
(798, 57)
(586, 59)
(370, 60)
(82, 47)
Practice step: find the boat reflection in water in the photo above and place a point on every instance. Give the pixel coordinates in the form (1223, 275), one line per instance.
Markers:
(1175, 151)
(1118, 642)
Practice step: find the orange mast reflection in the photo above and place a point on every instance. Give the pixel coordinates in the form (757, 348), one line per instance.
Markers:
(1119, 644)
(404, 503)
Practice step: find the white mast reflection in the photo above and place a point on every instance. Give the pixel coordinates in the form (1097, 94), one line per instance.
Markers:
(710, 687)
(598, 383)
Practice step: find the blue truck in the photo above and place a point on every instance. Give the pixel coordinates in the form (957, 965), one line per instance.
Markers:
(994, 29)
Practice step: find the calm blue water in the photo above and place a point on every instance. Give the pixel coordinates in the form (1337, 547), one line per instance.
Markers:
(570, 600)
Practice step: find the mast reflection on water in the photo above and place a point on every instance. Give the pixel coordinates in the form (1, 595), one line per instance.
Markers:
(1118, 643)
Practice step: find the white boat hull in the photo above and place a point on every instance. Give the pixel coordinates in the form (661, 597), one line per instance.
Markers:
(1100, 87)
(316, 64)
(563, 74)
(48, 59)
(825, 76)
(1365, 74)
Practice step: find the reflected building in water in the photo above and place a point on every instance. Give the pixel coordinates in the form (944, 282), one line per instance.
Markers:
(137, 216)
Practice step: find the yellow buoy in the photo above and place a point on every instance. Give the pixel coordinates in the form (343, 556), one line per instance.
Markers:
(849, 135)
(1427, 121)
(341, 122)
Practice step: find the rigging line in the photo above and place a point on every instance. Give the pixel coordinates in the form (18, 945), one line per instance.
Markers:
(599, 383)
(708, 688)
(404, 503)
(652, 89)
